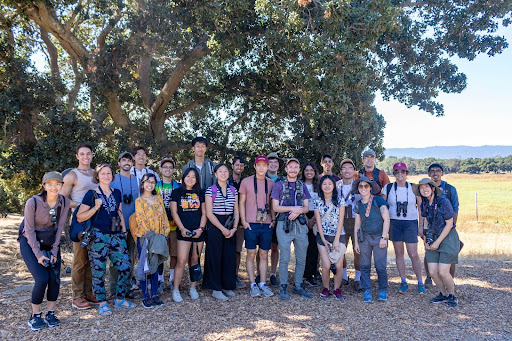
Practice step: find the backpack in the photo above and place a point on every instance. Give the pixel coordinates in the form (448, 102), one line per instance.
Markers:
(448, 192)
(375, 175)
(215, 191)
(77, 228)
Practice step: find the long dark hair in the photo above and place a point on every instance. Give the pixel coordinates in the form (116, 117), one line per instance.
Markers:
(316, 178)
(424, 200)
(197, 186)
(145, 178)
(334, 199)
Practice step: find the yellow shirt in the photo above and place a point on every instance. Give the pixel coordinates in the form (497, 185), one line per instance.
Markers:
(150, 217)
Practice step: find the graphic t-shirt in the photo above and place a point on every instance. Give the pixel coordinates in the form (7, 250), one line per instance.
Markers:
(189, 206)
(164, 190)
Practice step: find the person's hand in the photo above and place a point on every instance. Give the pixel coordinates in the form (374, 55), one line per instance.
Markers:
(246, 225)
(296, 210)
(41, 260)
(184, 232)
(383, 243)
(357, 249)
(198, 233)
(311, 223)
(434, 246)
(226, 233)
(293, 215)
(97, 203)
(427, 247)
(336, 245)
(53, 259)
(232, 232)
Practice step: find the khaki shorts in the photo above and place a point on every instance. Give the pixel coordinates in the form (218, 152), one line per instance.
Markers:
(240, 233)
(172, 243)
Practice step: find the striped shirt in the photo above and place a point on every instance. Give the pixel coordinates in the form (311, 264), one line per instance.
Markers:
(222, 205)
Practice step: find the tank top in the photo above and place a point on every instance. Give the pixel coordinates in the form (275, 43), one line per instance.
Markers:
(83, 184)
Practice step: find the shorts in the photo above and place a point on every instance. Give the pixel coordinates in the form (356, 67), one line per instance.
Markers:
(403, 231)
(172, 243)
(188, 239)
(259, 235)
(240, 232)
(330, 239)
(274, 236)
(448, 251)
(348, 225)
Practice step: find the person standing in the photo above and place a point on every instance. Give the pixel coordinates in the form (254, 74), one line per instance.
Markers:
(235, 179)
(77, 182)
(43, 221)
(372, 216)
(290, 198)
(371, 172)
(327, 163)
(344, 187)
(140, 156)
(164, 188)
(128, 185)
(311, 178)
(257, 220)
(404, 228)
(204, 166)
(275, 163)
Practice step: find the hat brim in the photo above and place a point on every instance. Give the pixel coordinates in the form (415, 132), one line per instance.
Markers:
(375, 188)
(416, 189)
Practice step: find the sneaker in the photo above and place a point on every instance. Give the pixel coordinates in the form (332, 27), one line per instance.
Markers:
(193, 293)
(452, 301)
(428, 283)
(257, 279)
(239, 283)
(383, 295)
(301, 290)
(147, 303)
(80, 303)
(229, 293)
(273, 281)
(311, 282)
(421, 289)
(157, 302)
(176, 296)
(36, 322)
(255, 291)
(325, 293)
(357, 286)
(265, 290)
(368, 296)
(161, 286)
(439, 299)
(403, 287)
(217, 294)
(337, 293)
(283, 292)
(51, 320)
(345, 281)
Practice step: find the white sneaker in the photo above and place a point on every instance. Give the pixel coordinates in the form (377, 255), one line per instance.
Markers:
(266, 291)
(229, 293)
(217, 294)
(255, 291)
(176, 296)
(193, 293)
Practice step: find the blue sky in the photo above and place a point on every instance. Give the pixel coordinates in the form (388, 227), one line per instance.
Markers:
(480, 115)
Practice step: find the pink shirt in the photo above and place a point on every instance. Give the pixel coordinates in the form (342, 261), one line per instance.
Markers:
(247, 188)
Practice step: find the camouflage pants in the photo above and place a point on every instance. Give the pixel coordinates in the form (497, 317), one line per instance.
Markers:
(102, 248)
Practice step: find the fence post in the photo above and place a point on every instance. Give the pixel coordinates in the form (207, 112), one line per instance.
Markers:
(476, 206)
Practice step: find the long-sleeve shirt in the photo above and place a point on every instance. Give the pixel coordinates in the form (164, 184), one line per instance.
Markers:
(150, 217)
(41, 220)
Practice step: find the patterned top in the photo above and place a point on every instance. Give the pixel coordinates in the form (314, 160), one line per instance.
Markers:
(150, 217)
(330, 222)
(437, 214)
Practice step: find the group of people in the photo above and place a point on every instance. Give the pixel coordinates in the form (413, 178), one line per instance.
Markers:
(160, 219)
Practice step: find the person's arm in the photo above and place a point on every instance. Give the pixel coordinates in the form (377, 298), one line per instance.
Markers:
(385, 226)
(212, 218)
(320, 232)
(30, 229)
(69, 182)
(235, 216)
(455, 204)
(203, 219)
(421, 219)
(357, 226)
(241, 207)
(177, 220)
(446, 230)
(166, 227)
(86, 212)
(121, 218)
(341, 218)
(64, 209)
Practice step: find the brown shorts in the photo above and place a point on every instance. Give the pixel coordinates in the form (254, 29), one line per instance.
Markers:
(240, 233)
(172, 243)
(348, 225)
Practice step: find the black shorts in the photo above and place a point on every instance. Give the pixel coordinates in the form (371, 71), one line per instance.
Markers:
(188, 239)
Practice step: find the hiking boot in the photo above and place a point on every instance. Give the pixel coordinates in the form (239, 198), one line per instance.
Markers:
(273, 281)
(283, 292)
(383, 295)
(147, 303)
(80, 303)
(311, 282)
(91, 299)
(239, 283)
(357, 286)
(157, 302)
(265, 290)
(36, 322)
(337, 293)
(421, 289)
(255, 291)
(176, 296)
(193, 293)
(301, 290)
(439, 299)
(428, 283)
(229, 293)
(368, 296)
(51, 320)
(217, 294)
(452, 301)
(325, 293)
(403, 287)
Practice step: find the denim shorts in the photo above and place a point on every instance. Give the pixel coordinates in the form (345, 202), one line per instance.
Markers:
(403, 231)
(259, 235)
(330, 239)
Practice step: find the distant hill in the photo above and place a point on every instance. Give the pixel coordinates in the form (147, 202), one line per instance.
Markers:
(451, 152)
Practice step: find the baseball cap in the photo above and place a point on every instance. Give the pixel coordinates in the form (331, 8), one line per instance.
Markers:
(399, 166)
(369, 152)
(291, 160)
(344, 161)
(167, 159)
(261, 158)
(124, 154)
(52, 176)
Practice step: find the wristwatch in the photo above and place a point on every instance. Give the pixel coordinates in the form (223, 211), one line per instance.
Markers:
(385, 238)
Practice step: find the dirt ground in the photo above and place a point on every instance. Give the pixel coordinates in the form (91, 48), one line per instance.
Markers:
(484, 290)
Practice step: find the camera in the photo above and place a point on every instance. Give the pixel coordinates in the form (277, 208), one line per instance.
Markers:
(86, 238)
(430, 236)
(302, 219)
(47, 262)
(53, 217)
(191, 233)
(288, 224)
(127, 199)
(401, 209)
(115, 224)
(261, 215)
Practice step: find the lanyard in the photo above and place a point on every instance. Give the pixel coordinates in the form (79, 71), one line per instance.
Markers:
(406, 192)
(225, 198)
(121, 182)
(256, 192)
(104, 201)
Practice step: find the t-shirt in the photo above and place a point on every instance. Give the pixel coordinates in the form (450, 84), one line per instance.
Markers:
(313, 194)
(330, 222)
(233, 183)
(189, 207)
(374, 223)
(126, 186)
(345, 192)
(165, 189)
(402, 194)
(437, 214)
(383, 177)
(139, 173)
(278, 192)
(102, 219)
(251, 208)
(336, 178)
(275, 178)
(222, 204)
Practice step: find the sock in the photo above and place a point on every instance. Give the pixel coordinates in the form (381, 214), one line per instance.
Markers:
(171, 275)
(38, 314)
(358, 276)
(161, 278)
(345, 276)
(404, 280)
(51, 312)
(420, 281)
(272, 274)
(261, 284)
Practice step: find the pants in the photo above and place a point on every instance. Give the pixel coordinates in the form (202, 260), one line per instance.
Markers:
(81, 276)
(380, 258)
(113, 274)
(113, 247)
(152, 277)
(311, 256)
(46, 279)
(299, 236)
(220, 259)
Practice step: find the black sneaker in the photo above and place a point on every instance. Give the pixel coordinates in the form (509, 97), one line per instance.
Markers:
(301, 290)
(51, 320)
(311, 282)
(36, 322)
(452, 301)
(273, 281)
(283, 292)
(439, 299)
(147, 302)
(157, 301)
(428, 283)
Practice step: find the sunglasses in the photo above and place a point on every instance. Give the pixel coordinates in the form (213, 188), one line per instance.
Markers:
(363, 186)
(400, 171)
(53, 216)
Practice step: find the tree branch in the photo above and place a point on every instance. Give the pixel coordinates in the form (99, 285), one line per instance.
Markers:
(52, 51)
(411, 3)
(73, 94)
(100, 41)
(71, 20)
(232, 125)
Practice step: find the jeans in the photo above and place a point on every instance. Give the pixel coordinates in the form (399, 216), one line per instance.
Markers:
(311, 257)
(380, 258)
(299, 236)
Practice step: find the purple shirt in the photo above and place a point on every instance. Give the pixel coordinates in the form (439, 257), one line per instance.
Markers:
(277, 193)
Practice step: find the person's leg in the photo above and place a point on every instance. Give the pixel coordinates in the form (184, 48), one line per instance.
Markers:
(52, 293)
(264, 243)
(118, 254)
(263, 265)
(79, 271)
(183, 249)
(412, 251)
(249, 263)
(300, 244)
(339, 275)
(446, 278)
(311, 256)
(154, 284)
(274, 253)
(228, 263)
(365, 259)
(172, 244)
(434, 272)
(326, 264)
(380, 258)
(239, 236)
(98, 251)
(400, 260)
(112, 278)
(284, 249)
(196, 256)
(40, 273)
(213, 259)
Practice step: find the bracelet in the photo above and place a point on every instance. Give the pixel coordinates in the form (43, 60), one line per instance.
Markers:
(200, 228)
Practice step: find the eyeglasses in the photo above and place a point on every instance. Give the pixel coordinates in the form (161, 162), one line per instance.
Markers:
(363, 186)
(399, 171)
(53, 216)
(435, 171)
(167, 167)
(54, 185)
(150, 182)
(347, 168)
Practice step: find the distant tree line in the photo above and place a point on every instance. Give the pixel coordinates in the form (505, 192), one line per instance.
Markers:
(470, 166)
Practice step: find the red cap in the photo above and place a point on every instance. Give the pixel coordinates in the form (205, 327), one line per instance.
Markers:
(399, 166)
(261, 158)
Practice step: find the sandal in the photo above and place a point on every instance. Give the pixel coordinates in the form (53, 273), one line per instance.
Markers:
(122, 305)
(104, 310)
